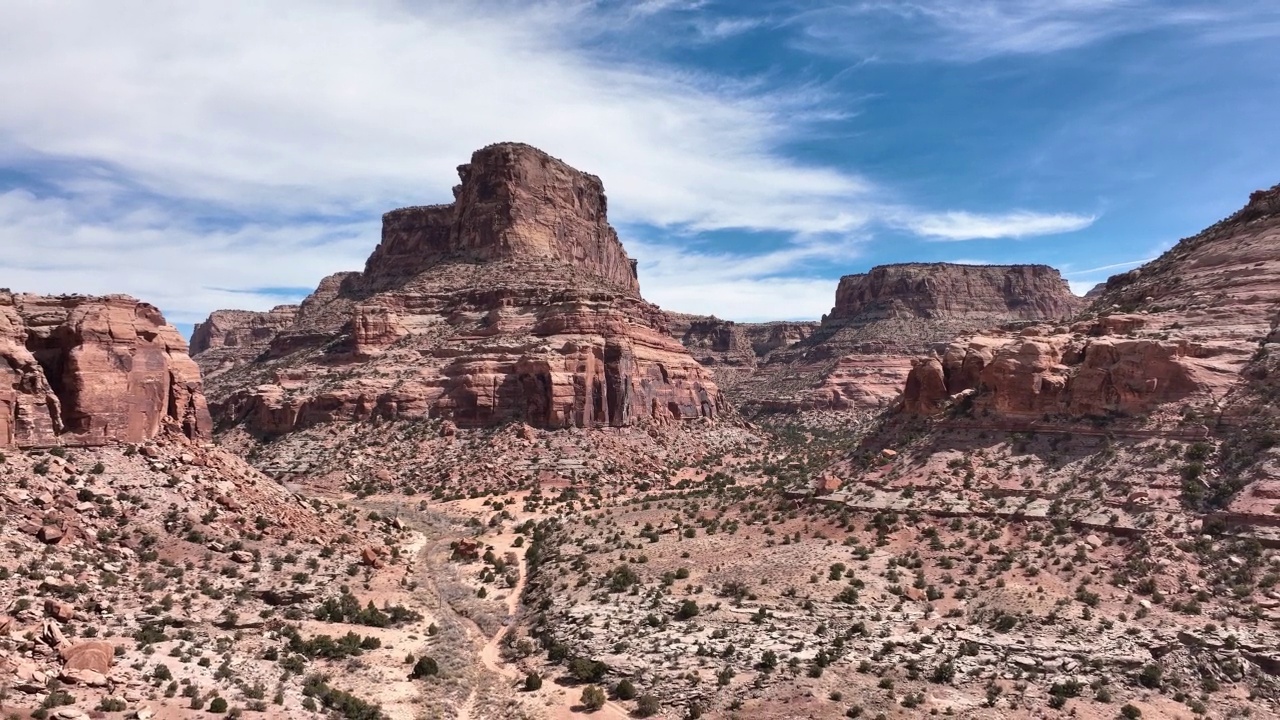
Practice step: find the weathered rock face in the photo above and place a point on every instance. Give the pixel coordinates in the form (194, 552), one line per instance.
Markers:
(231, 337)
(1195, 318)
(374, 327)
(861, 354)
(1222, 283)
(241, 328)
(516, 303)
(1081, 372)
(893, 296)
(514, 201)
(720, 343)
(84, 370)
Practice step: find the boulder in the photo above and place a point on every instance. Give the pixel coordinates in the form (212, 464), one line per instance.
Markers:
(63, 612)
(94, 655)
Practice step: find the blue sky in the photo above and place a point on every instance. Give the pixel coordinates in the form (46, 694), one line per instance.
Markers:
(230, 155)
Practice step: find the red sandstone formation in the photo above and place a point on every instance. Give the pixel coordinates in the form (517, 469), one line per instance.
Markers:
(231, 337)
(861, 354)
(1179, 329)
(514, 201)
(515, 303)
(734, 350)
(912, 304)
(85, 371)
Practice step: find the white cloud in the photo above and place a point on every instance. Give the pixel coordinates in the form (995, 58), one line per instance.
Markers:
(653, 7)
(959, 225)
(299, 107)
(968, 30)
(230, 145)
(768, 286)
(47, 246)
(722, 28)
(1081, 287)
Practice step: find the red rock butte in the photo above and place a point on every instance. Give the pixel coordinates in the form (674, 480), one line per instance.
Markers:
(514, 201)
(952, 294)
(516, 302)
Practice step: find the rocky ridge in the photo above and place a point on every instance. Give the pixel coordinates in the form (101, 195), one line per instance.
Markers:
(860, 354)
(515, 303)
(82, 370)
(1181, 328)
(733, 349)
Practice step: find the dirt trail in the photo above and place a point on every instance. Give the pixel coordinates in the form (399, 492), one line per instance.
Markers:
(559, 702)
(491, 654)
(464, 712)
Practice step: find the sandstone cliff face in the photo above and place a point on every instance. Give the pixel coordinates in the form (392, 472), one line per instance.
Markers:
(86, 371)
(231, 337)
(719, 343)
(1180, 329)
(1080, 372)
(859, 357)
(911, 303)
(514, 201)
(515, 303)
(1222, 282)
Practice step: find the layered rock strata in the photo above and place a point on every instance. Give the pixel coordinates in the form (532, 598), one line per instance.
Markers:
(83, 370)
(862, 352)
(232, 337)
(515, 303)
(1180, 329)
(734, 350)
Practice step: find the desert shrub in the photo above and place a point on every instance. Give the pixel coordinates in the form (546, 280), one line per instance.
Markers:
(424, 667)
(586, 670)
(688, 609)
(647, 705)
(592, 697)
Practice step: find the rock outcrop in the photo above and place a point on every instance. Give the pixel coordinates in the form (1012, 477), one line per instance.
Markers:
(232, 337)
(1179, 329)
(83, 370)
(733, 349)
(1079, 372)
(861, 354)
(514, 201)
(914, 304)
(515, 303)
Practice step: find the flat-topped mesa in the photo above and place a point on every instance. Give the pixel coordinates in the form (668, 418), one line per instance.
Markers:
(862, 352)
(514, 202)
(948, 291)
(77, 370)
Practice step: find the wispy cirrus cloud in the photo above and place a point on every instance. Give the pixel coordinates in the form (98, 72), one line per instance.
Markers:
(197, 156)
(969, 30)
(742, 286)
(957, 226)
(180, 264)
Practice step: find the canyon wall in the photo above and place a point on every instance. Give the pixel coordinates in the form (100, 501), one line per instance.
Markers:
(83, 370)
(1180, 329)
